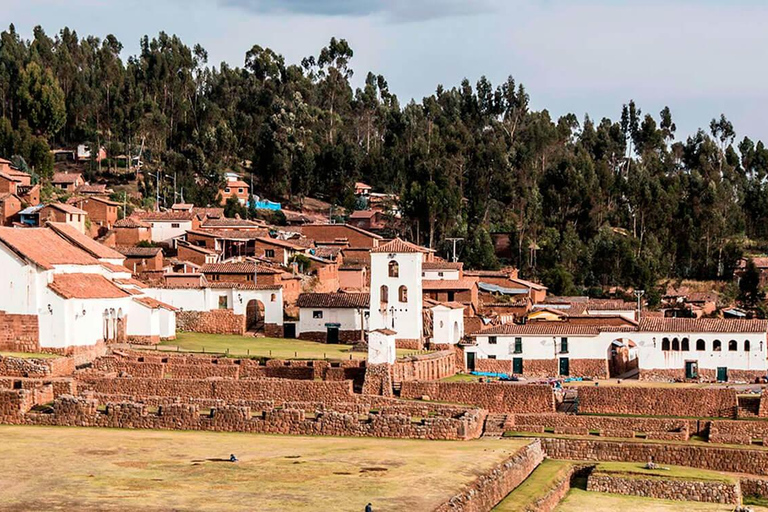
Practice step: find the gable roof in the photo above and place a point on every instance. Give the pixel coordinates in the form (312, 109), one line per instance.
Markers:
(399, 246)
(44, 248)
(442, 265)
(66, 208)
(139, 252)
(333, 300)
(130, 222)
(343, 226)
(363, 214)
(241, 267)
(279, 243)
(153, 303)
(719, 325)
(84, 242)
(447, 284)
(66, 177)
(86, 286)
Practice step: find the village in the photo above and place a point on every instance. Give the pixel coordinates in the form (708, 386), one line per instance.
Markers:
(190, 318)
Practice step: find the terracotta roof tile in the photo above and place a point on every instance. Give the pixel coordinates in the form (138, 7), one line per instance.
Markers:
(84, 242)
(243, 267)
(140, 252)
(86, 286)
(65, 177)
(44, 248)
(333, 300)
(154, 303)
(721, 325)
(399, 246)
(231, 223)
(442, 265)
(67, 208)
(448, 284)
(130, 222)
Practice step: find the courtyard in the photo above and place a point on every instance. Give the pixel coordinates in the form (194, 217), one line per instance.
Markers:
(67, 468)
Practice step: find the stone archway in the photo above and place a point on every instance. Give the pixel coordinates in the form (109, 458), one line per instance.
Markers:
(622, 359)
(254, 316)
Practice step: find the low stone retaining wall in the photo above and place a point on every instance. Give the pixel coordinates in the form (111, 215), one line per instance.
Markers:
(757, 487)
(494, 396)
(44, 367)
(491, 487)
(494, 365)
(216, 321)
(606, 426)
(738, 431)
(714, 402)
(19, 333)
(665, 488)
(732, 460)
(434, 366)
(348, 336)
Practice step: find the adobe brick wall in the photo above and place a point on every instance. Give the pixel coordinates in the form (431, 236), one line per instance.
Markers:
(216, 321)
(19, 333)
(494, 397)
(22, 367)
(492, 486)
(434, 366)
(713, 402)
(494, 366)
(666, 489)
(606, 426)
(732, 460)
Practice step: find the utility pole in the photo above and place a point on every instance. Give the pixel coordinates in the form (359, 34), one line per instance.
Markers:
(638, 294)
(157, 190)
(454, 240)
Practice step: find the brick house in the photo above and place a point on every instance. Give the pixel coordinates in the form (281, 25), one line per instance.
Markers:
(131, 231)
(142, 259)
(238, 189)
(101, 211)
(10, 206)
(241, 272)
(356, 237)
(464, 291)
(194, 254)
(66, 213)
(67, 182)
(361, 189)
(276, 251)
(332, 317)
(367, 219)
(353, 277)
(168, 225)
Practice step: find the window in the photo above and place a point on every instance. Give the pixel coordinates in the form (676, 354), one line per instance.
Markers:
(675, 345)
(563, 345)
(733, 346)
(518, 345)
(746, 346)
(394, 269)
(451, 296)
(226, 190)
(239, 191)
(269, 253)
(384, 292)
(223, 302)
(440, 274)
(317, 314)
(215, 277)
(685, 345)
(249, 277)
(491, 357)
(403, 294)
(717, 346)
(492, 340)
(273, 297)
(174, 224)
(665, 344)
(701, 345)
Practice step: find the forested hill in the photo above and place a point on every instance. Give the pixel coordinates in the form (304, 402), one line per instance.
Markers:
(586, 202)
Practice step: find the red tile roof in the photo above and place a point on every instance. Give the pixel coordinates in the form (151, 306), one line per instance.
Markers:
(65, 177)
(333, 300)
(442, 265)
(539, 328)
(243, 267)
(86, 286)
(130, 222)
(84, 242)
(363, 214)
(115, 268)
(399, 246)
(236, 184)
(168, 216)
(154, 303)
(719, 325)
(44, 248)
(139, 252)
(67, 208)
(231, 223)
(448, 284)
(280, 243)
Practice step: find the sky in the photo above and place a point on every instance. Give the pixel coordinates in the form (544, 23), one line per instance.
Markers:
(699, 57)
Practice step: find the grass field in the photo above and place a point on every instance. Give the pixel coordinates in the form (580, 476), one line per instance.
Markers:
(280, 348)
(579, 500)
(535, 486)
(672, 472)
(58, 468)
(29, 355)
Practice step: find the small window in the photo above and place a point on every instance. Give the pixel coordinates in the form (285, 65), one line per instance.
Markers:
(665, 344)
(733, 346)
(394, 269)
(492, 340)
(685, 345)
(403, 293)
(746, 346)
(239, 191)
(384, 292)
(563, 345)
(269, 253)
(226, 190)
(491, 357)
(440, 274)
(717, 346)
(273, 297)
(317, 314)
(701, 345)
(249, 277)
(518, 345)
(675, 345)
(223, 302)
(174, 224)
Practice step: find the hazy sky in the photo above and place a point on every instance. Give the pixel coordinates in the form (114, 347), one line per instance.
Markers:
(700, 57)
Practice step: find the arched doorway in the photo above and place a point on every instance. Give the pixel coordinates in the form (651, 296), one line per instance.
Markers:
(622, 359)
(456, 333)
(254, 316)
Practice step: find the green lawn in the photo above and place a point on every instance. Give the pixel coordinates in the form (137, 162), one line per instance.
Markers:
(579, 500)
(543, 478)
(461, 377)
(68, 468)
(29, 355)
(279, 348)
(674, 472)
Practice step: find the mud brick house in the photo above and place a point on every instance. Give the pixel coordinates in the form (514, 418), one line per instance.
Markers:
(656, 348)
(237, 188)
(10, 206)
(101, 211)
(239, 224)
(367, 219)
(241, 272)
(63, 213)
(168, 225)
(333, 317)
(228, 243)
(438, 270)
(131, 231)
(93, 190)
(276, 251)
(142, 259)
(464, 291)
(586, 306)
(362, 189)
(353, 277)
(63, 286)
(325, 272)
(194, 254)
(493, 284)
(355, 237)
(67, 182)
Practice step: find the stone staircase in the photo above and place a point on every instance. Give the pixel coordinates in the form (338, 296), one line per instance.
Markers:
(494, 425)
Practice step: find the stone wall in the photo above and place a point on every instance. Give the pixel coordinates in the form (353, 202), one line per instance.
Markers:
(19, 333)
(409, 344)
(757, 487)
(738, 431)
(48, 367)
(434, 366)
(732, 460)
(705, 375)
(763, 408)
(494, 366)
(216, 321)
(494, 397)
(348, 336)
(492, 486)
(82, 354)
(639, 401)
(297, 418)
(632, 484)
(378, 380)
(595, 368)
(606, 426)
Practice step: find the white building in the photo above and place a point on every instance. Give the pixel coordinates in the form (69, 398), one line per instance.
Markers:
(381, 347)
(657, 348)
(169, 225)
(447, 323)
(332, 317)
(396, 291)
(68, 284)
(441, 270)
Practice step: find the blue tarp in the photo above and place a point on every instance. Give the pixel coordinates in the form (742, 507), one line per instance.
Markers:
(488, 287)
(266, 204)
(491, 374)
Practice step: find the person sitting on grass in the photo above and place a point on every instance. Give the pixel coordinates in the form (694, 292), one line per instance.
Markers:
(232, 457)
